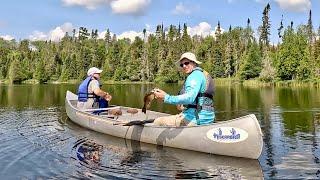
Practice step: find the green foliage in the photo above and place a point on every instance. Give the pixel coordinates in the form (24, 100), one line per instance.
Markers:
(15, 73)
(40, 73)
(234, 54)
(251, 63)
(290, 57)
(268, 72)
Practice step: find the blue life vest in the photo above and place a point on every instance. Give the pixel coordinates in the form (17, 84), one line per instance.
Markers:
(208, 92)
(83, 94)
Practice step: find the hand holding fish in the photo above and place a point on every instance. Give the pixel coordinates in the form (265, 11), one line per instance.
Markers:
(180, 107)
(108, 97)
(160, 94)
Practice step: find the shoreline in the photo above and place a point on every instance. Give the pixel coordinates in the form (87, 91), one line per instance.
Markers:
(218, 81)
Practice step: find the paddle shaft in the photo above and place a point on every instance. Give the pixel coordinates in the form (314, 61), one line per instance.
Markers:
(100, 109)
(134, 122)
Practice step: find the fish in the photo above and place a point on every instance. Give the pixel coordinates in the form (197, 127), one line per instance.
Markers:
(148, 98)
(115, 112)
(132, 111)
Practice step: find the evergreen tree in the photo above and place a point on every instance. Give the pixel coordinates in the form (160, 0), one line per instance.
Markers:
(107, 37)
(265, 27)
(40, 73)
(268, 72)
(218, 64)
(304, 70)
(83, 33)
(290, 54)
(186, 44)
(229, 69)
(251, 63)
(15, 73)
(280, 28)
(310, 29)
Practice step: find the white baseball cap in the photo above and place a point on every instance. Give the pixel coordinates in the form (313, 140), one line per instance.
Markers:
(190, 56)
(93, 70)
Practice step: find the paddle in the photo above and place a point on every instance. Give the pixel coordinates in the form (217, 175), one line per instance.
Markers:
(100, 109)
(137, 122)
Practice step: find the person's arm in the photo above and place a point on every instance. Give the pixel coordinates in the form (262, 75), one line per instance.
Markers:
(99, 92)
(192, 88)
(102, 94)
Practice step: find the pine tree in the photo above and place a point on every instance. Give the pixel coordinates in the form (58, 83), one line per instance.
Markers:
(83, 33)
(251, 63)
(304, 70)
(310, 29)
(290, 54)
(229, 55)
(15, 73)
(40, 73)
(107, 37)
(268, 72)
(186, 44)
(280, 28)
(265, 27)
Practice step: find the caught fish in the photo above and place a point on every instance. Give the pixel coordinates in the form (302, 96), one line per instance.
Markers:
(148, 98)
(132, 111)
(115, 112)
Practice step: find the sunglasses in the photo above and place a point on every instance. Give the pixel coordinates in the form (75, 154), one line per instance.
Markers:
(185, 63)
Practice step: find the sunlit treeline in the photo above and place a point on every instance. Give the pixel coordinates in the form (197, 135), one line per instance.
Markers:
(235, 53)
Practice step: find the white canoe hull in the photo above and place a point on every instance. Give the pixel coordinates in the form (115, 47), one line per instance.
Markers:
(240, 137)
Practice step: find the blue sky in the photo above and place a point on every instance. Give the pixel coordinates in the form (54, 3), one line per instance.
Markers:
(39, 19)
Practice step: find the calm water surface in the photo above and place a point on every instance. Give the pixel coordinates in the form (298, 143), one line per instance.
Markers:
(39, 142)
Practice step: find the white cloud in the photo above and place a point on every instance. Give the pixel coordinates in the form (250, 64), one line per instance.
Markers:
(133, 34)
(102, 34)
(258, 1)
(295, 5)
(181, 9)
(38, 35)
(54, 35)
(134, 7)
(148, 27)
(203, 29)
(67, 27)
(89, 4)
(7, 37)
(130, 34)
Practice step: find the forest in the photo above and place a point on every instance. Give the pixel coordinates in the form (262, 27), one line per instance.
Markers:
(237, 52)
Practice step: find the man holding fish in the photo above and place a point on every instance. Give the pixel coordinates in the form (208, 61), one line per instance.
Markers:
(196, 96)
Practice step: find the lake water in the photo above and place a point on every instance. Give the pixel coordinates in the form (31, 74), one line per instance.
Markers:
(39, 142)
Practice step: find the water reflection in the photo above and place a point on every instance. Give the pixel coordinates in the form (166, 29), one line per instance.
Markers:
(88, 152)
(35, 135)
(146, 161)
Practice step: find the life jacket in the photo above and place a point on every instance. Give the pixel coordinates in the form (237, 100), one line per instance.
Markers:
(83, 94)
(207, 94)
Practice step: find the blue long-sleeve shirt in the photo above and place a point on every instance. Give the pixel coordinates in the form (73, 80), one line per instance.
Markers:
(195, 83)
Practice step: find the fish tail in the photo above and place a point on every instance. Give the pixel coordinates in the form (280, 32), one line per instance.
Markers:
(144, 109)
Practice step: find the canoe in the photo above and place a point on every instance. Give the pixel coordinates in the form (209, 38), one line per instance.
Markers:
(240, 137)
